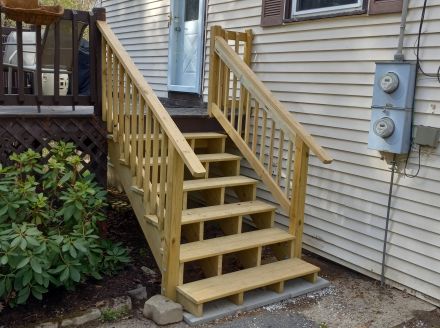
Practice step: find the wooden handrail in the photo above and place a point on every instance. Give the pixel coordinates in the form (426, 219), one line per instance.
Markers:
(262, 94)
(166, 122)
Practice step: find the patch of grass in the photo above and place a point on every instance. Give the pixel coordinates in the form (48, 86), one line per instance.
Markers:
(323, 325)
(109, 315)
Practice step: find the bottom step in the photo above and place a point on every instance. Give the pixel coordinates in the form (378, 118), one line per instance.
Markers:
(193, 295)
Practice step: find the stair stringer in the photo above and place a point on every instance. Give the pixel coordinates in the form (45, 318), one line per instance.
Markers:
(124, 176)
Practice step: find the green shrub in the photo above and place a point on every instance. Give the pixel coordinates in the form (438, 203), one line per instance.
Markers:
(49, 214)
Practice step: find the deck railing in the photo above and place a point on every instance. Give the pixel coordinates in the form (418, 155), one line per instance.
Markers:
(275, 144)
(34, 59)
(150, 144)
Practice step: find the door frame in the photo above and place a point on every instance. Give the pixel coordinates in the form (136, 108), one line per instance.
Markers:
(172, 44)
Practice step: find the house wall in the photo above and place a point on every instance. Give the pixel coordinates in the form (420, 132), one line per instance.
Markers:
(322, 70)
(142, 27)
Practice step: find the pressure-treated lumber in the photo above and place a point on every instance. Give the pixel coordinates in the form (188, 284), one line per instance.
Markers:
(225, 211)
(206, 290)
(166, 122)
(230, 244)
(213, 183)
(262, 94)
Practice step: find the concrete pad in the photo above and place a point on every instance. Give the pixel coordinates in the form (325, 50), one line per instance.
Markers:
(254, 299)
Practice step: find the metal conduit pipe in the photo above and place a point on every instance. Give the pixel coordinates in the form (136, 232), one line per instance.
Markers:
(399, 54)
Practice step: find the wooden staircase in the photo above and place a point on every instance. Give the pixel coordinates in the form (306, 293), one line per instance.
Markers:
(195, 207)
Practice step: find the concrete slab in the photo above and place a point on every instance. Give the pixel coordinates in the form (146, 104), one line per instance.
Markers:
(254, 299)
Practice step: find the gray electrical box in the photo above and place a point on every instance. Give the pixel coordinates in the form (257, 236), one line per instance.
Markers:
(393, 94)
(426, 136)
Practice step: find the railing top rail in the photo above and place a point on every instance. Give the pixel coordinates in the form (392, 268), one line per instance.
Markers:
(263, 95)
(169, 126)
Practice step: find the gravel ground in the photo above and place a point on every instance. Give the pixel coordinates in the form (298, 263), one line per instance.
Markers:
(352, 301)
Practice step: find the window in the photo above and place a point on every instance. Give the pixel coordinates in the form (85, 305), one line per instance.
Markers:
(316, 7)
(278, 12)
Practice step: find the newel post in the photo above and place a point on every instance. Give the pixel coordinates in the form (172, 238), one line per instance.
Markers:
(172, 224)
(299, 194)
(214, 59)
(98, 14)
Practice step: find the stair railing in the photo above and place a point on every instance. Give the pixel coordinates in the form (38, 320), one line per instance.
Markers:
(274, 143)
(151, 145)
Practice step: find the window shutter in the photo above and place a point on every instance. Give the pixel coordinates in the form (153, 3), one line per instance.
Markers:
(385, 6)
(272, 12)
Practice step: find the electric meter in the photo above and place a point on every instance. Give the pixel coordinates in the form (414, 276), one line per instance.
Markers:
(389, 82)
(384, 127)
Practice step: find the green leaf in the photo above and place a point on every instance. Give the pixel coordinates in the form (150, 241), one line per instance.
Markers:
(27, 278)
(69, 211)
(32, 241)
(23, 262)
(2, 287)
(65, 274)
(23, 295)
(74, 274)
(73, 252)
(4, 260)
(3, 210)
(37, 294)
(36, 266)
(79, 245)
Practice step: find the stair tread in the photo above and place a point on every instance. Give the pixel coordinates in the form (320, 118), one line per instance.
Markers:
(218, 157)
(210, 289)
(225, 211)
(204, 135)
(233, 243)
(211, 183)
(204, 158)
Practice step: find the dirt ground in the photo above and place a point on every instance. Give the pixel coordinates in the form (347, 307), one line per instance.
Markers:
(352, 300)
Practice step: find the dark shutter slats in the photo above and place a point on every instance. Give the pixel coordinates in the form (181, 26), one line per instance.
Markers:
(272, 12)
(385, 6)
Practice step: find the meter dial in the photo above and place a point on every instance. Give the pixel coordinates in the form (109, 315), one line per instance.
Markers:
(384, 127)
(389, 82)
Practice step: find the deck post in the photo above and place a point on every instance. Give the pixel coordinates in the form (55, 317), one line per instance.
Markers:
(213, 70)
(172, 224)
(298, 200)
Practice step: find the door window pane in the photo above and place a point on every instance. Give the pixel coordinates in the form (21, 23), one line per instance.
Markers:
(191, 10)
(317, 4)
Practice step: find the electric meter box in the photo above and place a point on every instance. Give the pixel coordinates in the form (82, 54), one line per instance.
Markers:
(391, 118)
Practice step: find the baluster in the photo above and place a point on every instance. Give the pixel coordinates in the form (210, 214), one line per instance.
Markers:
(226, 81)
(57, 63)
(263, 138)
(121, 108)
(104, 60)
(240, 110)
(214, 64)
(220, 77)
(255, 131)
(38, 79)
(127, 119)
(2, 76)
(75, 68)
(148, 158)
(115, 98)
(20, 62)
(289, 168)
(271, 144)
(155, 168)
(235, 88)
(141, 155)
(280, 157)
(163, 177)
(248, 118)
(110, 74)
(134, 129)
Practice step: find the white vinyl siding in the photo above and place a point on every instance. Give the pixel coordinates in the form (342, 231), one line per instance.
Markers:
(322, 70)
(142, 27)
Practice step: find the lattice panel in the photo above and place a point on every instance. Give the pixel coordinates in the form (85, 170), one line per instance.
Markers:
(87, 133)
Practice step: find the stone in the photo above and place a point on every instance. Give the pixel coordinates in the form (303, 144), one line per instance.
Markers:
(47, 325)
(121, 304)
(91, 315)
(149, 272)
(162, 310)
(139, 293)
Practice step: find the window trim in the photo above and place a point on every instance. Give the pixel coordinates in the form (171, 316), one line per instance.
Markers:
(288, 18)
(350, 8)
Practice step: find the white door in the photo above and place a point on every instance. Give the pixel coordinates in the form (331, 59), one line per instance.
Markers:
(186, 45)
